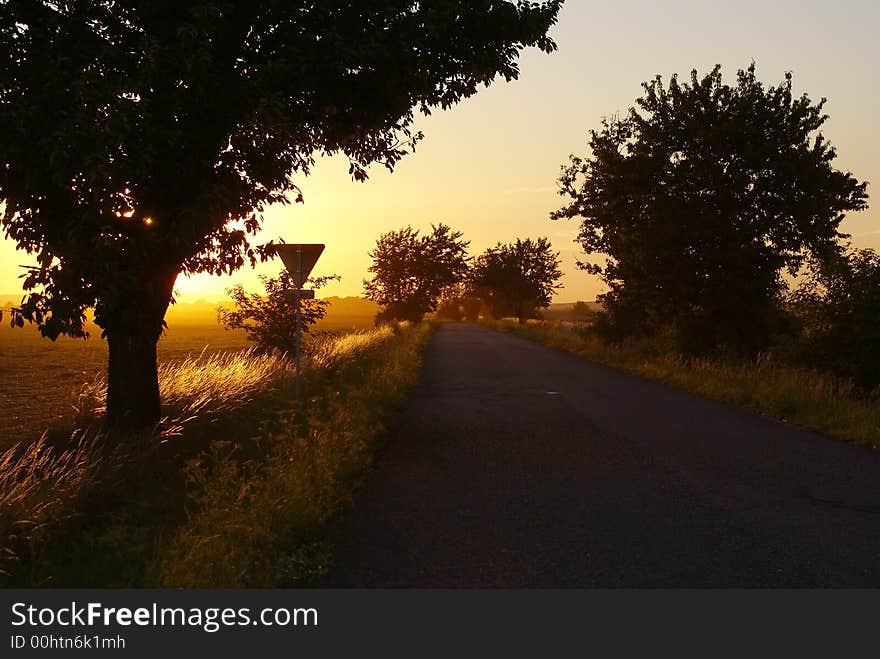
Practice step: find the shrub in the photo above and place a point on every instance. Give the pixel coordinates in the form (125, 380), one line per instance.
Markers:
(839, 305)
(270, 319)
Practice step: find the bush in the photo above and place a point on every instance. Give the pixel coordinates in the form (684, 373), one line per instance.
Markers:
(270, 319)
(839, 306)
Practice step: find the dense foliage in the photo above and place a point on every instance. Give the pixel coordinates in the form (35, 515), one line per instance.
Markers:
(517, 279)
(269, 319)
(457, 303)
(142, 139)
(700, 198)
(839, 304)
(410, 270)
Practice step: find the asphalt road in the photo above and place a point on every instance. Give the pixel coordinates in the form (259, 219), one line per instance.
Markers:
(517, 465)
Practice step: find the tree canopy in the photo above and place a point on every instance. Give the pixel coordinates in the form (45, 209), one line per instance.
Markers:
(700, 198)
(411, 270)
(518, 278)
(144, 138)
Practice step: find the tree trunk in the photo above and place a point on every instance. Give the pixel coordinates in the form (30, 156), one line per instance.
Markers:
(133, 323)
(133, 381)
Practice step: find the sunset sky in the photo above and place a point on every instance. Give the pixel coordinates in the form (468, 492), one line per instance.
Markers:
(489, 166)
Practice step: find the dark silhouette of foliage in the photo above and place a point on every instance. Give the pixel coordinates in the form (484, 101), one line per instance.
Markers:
(471, 306)
(457, 303)
(410, 271)
(700, 198)
(270, 319)
(582, 311)
(839, 306)
(517, 279)
(144, 138)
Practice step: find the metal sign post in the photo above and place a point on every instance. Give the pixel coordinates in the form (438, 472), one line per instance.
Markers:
(299, 324)
(299, 261)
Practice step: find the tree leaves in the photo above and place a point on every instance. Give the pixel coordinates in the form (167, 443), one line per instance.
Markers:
(270, 318)
(838, 304)
(410, 270)
(517, 279)
(197, 114)
(700, 197)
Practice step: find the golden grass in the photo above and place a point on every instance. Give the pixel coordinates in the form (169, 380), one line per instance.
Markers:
(203, 385)
(808, 398)
(43, 484)
(329, 350)
(261, 523)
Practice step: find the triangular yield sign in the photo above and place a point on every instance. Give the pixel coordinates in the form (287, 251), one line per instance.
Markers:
(299, 260)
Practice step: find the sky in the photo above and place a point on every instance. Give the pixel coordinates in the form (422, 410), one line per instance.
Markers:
(489, 166)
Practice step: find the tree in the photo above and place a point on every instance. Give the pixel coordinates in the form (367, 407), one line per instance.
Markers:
(839, 305)
(410, 271)
(449, 305)
(270, 319)
(142, 139)
(700, 198)
(581, 311)
(457, 303)
(517, 279)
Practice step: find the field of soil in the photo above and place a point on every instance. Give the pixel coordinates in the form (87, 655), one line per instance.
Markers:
(40, 379)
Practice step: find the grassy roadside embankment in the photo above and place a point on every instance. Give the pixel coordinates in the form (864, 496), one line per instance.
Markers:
(814, 400)
(234, 490)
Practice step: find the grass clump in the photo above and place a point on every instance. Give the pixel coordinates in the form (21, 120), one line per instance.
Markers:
(232, 488)
(48, 486)
(819, 401)
(39, 487)
(262, 522)
(205, 385)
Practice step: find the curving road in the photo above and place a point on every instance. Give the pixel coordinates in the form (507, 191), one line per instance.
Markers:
(517, 465)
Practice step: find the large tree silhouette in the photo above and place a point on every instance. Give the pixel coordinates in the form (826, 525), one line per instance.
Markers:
(142, 139)
(411, 270)
(700, 198)
(517, 279)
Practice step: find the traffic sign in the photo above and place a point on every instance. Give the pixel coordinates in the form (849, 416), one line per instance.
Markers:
(299, 260)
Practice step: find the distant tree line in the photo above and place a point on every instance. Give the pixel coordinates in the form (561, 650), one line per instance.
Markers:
(415, 274)
(702, 205)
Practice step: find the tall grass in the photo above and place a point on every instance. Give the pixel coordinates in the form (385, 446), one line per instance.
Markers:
(329, 350)
(113, 493)
(262, 522)
(809, 398)
(202, 385)
(39, 487)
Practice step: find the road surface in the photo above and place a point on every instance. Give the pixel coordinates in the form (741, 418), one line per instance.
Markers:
(518, 465)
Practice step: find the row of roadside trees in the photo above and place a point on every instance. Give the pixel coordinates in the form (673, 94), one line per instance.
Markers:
(414, 274)
(698, 209)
